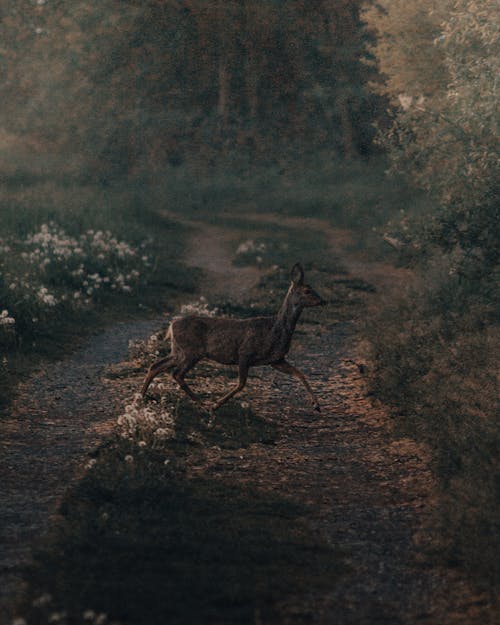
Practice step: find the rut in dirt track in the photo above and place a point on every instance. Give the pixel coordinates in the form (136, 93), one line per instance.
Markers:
(58, 417)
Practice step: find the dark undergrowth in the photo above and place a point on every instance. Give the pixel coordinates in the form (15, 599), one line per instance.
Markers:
(435, 351)
(353, 194)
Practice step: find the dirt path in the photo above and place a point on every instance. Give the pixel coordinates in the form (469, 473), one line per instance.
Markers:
(58, 417)
(208, 249)
(371, 494)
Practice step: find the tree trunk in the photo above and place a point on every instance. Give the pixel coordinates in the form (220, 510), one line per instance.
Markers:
(222, 103)
(252, 84)
(347, 130)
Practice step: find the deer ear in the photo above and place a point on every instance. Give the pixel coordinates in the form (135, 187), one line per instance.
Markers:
(297, 274)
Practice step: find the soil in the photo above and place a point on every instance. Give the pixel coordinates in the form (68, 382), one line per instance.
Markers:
(57, 418)
(370, 493)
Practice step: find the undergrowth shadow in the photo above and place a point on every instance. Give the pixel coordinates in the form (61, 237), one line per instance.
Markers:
(142, 544)
(231, 427)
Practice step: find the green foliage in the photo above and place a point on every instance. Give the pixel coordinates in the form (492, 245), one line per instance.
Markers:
(73, 255)
(50, 275)
(435, 352)
(445, 139)
(128, 85)
(409, 61)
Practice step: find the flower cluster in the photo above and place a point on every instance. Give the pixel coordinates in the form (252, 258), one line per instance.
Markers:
(4, 247)
(94, 261)
(7, 332)
(200, 307)
(50, 270)
(46, 607)
(150, 425)
(251, 247)
(6, 319)
(260, 252)
(147, 349)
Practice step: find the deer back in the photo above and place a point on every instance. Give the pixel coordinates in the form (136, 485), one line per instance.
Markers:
(227, 341)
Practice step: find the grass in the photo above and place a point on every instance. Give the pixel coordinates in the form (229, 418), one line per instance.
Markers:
(435, 352)
(46, 331)
(349, 194)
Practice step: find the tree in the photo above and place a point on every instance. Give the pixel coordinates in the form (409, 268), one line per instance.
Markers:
(125, 81)
(445, 132)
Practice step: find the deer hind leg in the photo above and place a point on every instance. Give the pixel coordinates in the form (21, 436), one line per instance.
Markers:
(164, 364)
(286, 367)
(178, 376)
(242, 378)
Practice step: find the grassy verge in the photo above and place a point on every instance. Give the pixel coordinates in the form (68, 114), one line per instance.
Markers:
(350, 194)
(435, 352)
(73, 258)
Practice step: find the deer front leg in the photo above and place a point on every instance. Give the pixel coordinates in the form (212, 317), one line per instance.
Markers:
(242, 378)
(286, 367)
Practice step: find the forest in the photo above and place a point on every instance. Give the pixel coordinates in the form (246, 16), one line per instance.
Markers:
(131, 84)
(144, 145)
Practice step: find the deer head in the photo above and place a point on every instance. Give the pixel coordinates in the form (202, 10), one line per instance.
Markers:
(302, 295)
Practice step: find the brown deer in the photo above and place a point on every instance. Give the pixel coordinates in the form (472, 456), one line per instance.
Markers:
(243, 342)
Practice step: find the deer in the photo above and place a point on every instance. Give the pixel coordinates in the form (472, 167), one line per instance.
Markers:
(246, 343)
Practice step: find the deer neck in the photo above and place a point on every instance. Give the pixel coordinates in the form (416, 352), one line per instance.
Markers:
(286, 320)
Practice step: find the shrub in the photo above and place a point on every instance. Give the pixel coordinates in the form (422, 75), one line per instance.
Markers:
(50, 274)
(435, 357)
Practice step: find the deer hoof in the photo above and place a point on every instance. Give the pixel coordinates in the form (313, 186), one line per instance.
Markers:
(210, 421)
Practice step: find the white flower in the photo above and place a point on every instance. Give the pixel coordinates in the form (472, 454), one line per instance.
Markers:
(405, 100)
(162, 433)
(42, 600)
(245, 247)
(45, 297)
(6, 319)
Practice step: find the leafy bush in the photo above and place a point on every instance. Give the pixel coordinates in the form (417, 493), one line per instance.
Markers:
(444, 137)
(435, 349)
(435, 354)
